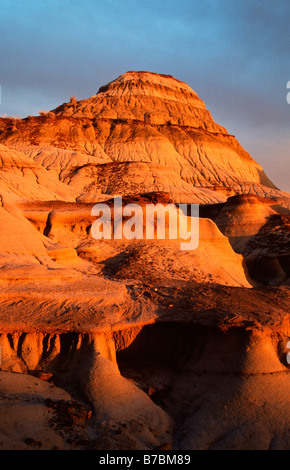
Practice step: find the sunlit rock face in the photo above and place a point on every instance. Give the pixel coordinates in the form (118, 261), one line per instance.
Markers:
(147, 119)
(149, 97)
(137, 343)
(161, 120)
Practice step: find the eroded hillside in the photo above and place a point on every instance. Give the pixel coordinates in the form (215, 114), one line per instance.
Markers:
(138, 344)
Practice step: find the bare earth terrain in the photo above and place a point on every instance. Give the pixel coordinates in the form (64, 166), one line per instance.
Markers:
(137, 344)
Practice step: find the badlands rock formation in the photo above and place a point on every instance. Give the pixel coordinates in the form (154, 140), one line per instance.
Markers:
(138, 344)
(148, 124)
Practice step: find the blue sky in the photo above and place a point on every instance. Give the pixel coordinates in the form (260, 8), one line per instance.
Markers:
(234, 53)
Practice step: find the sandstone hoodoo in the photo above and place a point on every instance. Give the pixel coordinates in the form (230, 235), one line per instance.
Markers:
(123, 343)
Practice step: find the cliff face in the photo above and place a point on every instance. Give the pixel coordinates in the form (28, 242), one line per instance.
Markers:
(141, 118)
(137, 344)
(167, 114)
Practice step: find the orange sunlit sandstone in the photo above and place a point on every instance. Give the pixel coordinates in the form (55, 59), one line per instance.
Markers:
(136, 344)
